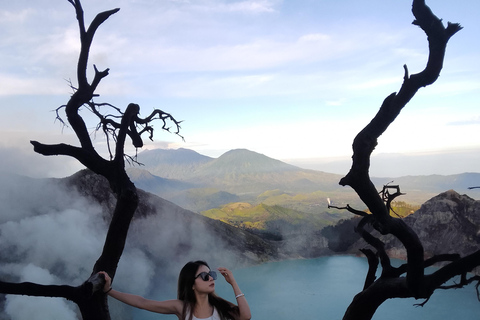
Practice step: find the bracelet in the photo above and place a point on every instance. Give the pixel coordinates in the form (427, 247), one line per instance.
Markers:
(239, 295)
(106, 292)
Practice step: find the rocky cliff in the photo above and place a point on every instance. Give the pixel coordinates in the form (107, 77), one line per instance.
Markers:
(447, 223)
(163, 229)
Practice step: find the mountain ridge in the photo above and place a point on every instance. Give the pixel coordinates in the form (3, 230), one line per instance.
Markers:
(241, 170)
(172, 163)
(246, 174)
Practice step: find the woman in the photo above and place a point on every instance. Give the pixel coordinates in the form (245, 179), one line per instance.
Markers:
(196, 298)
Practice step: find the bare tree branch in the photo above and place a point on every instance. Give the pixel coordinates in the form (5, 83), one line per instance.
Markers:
(33, 289)
(117, 127)
(390, 284)
(365, 142)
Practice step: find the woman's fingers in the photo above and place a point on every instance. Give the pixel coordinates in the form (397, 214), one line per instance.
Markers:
(227, 274)
(108, 280)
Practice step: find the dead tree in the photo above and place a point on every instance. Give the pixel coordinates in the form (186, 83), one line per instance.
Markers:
(408, 280)
(117, 127)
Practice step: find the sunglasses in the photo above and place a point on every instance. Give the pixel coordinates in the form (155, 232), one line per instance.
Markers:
(206, 275)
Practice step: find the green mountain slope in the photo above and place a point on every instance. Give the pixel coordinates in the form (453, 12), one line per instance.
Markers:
(243, 161)
(246, 172)
(313, 202)
(237, 171)
(273, 222)
(243, 175)
(200, 199)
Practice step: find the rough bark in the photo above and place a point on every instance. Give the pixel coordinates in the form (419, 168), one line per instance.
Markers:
(89, 296)
(391, 284)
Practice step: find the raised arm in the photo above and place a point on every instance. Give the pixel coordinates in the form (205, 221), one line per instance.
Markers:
(164, 307)
(243, 307)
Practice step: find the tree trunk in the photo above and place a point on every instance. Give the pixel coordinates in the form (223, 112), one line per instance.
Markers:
(89, 296)
(390, 284)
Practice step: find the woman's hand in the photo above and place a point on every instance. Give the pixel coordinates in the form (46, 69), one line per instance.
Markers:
(108, 281)
(244, 309)
(227, 274)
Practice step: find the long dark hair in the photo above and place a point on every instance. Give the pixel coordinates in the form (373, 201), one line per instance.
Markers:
(185, 292)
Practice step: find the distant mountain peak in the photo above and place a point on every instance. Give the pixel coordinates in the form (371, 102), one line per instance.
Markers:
(243, 152)
(246, 161)
(172, 163)
(180, 155)
(238, 171)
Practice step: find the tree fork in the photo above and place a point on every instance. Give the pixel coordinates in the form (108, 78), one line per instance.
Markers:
(415, 285)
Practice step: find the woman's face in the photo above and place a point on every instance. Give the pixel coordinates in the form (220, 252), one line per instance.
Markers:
(203, 286)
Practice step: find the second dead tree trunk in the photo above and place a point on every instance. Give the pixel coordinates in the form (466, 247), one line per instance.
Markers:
(408, 280)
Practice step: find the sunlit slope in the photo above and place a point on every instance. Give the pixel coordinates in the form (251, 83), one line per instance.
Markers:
(276, 221)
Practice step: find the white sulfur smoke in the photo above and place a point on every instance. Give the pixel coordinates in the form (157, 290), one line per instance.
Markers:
(46, 231)
(38, 307)
(66, 242)
(51, 235)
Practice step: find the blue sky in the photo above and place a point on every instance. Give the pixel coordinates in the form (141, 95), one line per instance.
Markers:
(294, 80)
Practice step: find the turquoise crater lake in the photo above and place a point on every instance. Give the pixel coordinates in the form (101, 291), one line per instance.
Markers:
(323, 288)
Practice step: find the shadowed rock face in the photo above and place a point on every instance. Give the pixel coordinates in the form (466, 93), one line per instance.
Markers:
(184, 231)
(447, 223)
(178, 232)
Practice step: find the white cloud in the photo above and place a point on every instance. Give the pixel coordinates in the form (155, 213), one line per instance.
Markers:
(260, 54)
(225, 53)
(454, 87)
(245, 7)
(427, 130)
(22, 159)
(255, 7)
(337, 102)
(294, 139)
(314, 37)
(64, 45)
(376, 83)
(234, 86)
(8, 17)
(475, 120)
(13, 84)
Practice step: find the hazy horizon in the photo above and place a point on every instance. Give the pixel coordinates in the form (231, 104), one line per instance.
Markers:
(288, 79)
(401, 164)
(392, 165)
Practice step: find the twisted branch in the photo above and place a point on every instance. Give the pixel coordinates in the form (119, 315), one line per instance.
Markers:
(364, 143)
